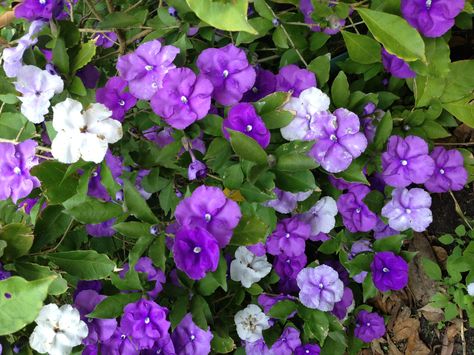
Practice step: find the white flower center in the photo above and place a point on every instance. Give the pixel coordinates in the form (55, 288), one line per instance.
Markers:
(197, 250)
(147, 320)
(287, 235)
(408, 211)
(249, 128)
(307, 351)
(225, 73)
(207, 217)
(17, 170)
(149, 67)
(154, 85)
(385, 269)
(254, 90)
(184, 99)
(121, 103)
(192, 337)
(321, 286)
(308, 116)
(368, 324)
(333, 137)
(42, 2)
(404, 162)
(288, 261)
(358, 210)
(441, 171)
(428, 4)
(123, 336)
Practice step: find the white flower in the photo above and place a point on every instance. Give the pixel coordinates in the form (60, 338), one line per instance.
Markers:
(83, 135)
(307, 106)
(248, 268)
(322, 216)
(38, 87)
(58, 330)
(470, 289)
(250, 323)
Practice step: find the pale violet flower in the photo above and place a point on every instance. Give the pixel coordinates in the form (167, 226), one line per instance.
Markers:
(322, 216)
(250, 322)
(248, 268)
(307, 106)
(58, 330)
(38, 87)
(470, 289)
(81, 134)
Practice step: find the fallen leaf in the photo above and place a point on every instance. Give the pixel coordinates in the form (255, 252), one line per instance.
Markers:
(432, 314)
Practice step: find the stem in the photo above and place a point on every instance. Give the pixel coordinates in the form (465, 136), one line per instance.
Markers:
(21, 131)
(4, 140)
(215, 177)
(44, 149)
(120, 34)
(139, 36)
(458, 210)
(43, 157)
(459, 144)
(353, 25)
(93, 10)
(266, 59)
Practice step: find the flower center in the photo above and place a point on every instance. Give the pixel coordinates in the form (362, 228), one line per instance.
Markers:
(333, 137)
(358, 210)
(121, 103)
(154, 85)
(90, 320)
(428, 4)
(404, 162)
(307, 116)
(192, 337)
(254, 90)
(225, 73)
(207, 217)
(197, 250)
(287, 235)
(123, 336)
(38, 93)
(368, 324)
(249, 128)
(147, 320)
(149, 67)
(17, 170)
(441, 171)
(307, 351)
(42, 2)
(321, 286)
(406, 127)
(288, 260)
(408, 211)
(385, 269)
(184, 99)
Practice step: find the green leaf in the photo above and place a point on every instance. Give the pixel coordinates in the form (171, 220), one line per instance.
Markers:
(282, 309)
(374, 200)
(20, 302)
(249, 231)
(277, 119)
(222, 345)
(463, 110)
(458, 84)
(393, 243)
(77, 87)
(368, 288)
(84, 56)
(226, 16)
(133, 229)
(120, 20)
(272, 102)
(31, 271)
(84, 264)
(136, 204)
(92, 211)
(56, 188)
(213, 280)
(60, 56)
(395, 34)
(200, 311)
(212, 125)
(139, 249)
(446, 239)
(11, 124)
(384, 130)
(263, 9)
(354, 173)
(247, 148)
(320, 66)
(279, 38)
(233, 177)
(50, 225)
(157, 252)
(168, 199)
(295, 162)
(316, 323)
(432, 269)
(303, 181)
(317, 40)
(340, 90)
(19, 238)
(362, 48)
(426, 89)
(112, 306)
(261, 25)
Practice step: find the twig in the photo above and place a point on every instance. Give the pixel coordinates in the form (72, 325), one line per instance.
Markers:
(44, 149)
(458, 210)
(466, 144)
(120, 34)
(93, 10)
(139, 36)
(68, 229)
(353, 25)
(43, 157)
(463, 339)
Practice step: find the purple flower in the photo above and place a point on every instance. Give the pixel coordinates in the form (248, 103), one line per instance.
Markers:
(408, 208)
(294, 79)
(145, 68)
(15, 164)
(406, 161)
(345, 305)
(120, 344)
(188, 338)
(99, 329)
(195, 251)
(36, 9)
(183, 98)
(321, 217)
(287, 268)
(449, 172)
(105, 39)
(257, 249)
(369, 326)
(286, 201)
(160, 136)
(312, 349)
(334, 22)
(257, 347)
(338, 140)
(383, 230)
(96, 189)
(356, 216)
(114, 97)
(267, 301)
(432, 18)
(101, 230)
(82, 285)
(389, 271)
(145, 265)
(197, 170)
(145, 321)
(243, 118)
(229, 71)
(264, 85)
(396, 66)
(210, 209)
(287, 343)
(341, 184)
(289, 237)
(89, 75)
(4, 274)
(320, 287)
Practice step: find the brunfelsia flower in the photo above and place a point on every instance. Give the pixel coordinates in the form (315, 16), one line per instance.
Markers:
(309, 106)
(292, 78)
(360, 246)
(99, 329)
(96, 188)
(345, 305)
(195, 251)
(406, 161)
(257, 348)
(197, 170)
(432, 18)
(408, 208)
(338, 140)
(114, 97)
(287, 343)
(243, 118)
(210, 209)
(287, 268)
(286, 201)
(37, 88)
(383, 230)
(247, 268)
(250, 322)
(306, 349)
(105, 39)
(101, 230)
(40, 9)
(89, 76)
(369, 326)
(83, 135)
(264, 85)
(356, 216)
(145, 68)
(334, 23)
(389, 271)
(145, 322)
(320, 287)
(229, 72)
(183, 98)
(188, 338)
(4, 274)
(145, 265)
(396, 66)
(449, 172)
(289, 237)
(322, 216)
(58, 330)
(161, 136)
(15, 164)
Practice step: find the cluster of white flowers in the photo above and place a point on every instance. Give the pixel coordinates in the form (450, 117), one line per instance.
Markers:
(248, 268)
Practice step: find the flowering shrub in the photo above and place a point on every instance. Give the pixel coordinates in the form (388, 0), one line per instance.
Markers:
(197, 176)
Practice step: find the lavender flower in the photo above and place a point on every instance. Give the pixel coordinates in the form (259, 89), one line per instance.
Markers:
(105, 39)
(306, 349)
(293, 79)
(183, 98)
(114, 97)
(383, 230)
(145, 68)
(322, 216)
(320, 287)
(145, 321)
(357, 217)
(257, 347)
(243, 118)
(83, 285)
(264, 85)
(369, 326)
(96, 188)
(288, 268)
(160, 136)
(289, 237)
(40, 9)
(15, 164)
(229, 71)
(406, 161)
(210, 209)
(145, 265)
(286, 201)
(287, 343)
(188, 338)
(338, 140)
(396, 66)
(432, 18)
(408, 209)
(389, 271)
(449, 172)
(196, 252)
(197, 170)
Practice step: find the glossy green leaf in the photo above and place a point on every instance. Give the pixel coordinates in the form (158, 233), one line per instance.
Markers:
(340, 90)
(84, 56)
(247, 148)
(136, 204)
(362, 48)
(92, 211)
(84, 264)
(112, 306)
(19, 238)
(60, 56)
(249, 231)
(463, 110)
(11, 123)
(320, 66)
